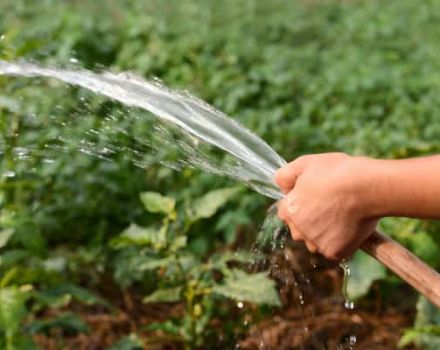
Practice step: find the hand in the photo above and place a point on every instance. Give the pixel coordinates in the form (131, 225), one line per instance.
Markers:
(327, 202)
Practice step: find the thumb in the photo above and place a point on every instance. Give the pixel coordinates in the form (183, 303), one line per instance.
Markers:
(286, 176)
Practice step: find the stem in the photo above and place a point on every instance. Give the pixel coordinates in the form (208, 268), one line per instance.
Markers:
(9, 340)
(190, 294)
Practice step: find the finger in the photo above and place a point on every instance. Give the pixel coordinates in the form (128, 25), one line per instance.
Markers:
(311, 247)
(295, 233)
(287, 207)
(286, 176)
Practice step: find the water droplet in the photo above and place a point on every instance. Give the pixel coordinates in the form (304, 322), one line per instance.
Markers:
(352, 340)
(240, 304)
(348, 304)
(106, 150)
(20, 152)
(73, 60)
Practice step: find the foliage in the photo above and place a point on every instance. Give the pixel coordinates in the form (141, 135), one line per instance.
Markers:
(254, 288)
(130, 342)
(308, 76)
(69, 322)
(181, 275)
(426, 331)
(364, 270)
(12, 312)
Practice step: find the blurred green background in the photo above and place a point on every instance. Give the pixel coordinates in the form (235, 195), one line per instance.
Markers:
(362, 77)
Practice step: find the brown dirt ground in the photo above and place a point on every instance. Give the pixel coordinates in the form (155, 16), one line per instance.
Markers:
(312, 316)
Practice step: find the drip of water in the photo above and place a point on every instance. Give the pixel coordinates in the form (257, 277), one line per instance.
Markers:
(348, 304)
(256, 160)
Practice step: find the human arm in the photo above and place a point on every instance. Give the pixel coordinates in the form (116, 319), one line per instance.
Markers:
(333, 200)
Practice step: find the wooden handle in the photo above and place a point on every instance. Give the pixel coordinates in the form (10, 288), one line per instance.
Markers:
(405, 265)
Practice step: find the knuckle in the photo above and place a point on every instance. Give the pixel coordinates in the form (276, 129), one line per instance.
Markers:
(282, 177)
(303, 158)
(332, 254)
(282, 212)
(279, 174)
(296, 236)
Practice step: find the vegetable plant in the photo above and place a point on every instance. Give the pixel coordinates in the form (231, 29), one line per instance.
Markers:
(178, 274)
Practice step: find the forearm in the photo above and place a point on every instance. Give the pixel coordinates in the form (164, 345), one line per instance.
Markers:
(409, 187)
(333, 200)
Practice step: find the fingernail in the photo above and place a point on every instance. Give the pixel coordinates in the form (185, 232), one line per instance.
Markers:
(291, 205)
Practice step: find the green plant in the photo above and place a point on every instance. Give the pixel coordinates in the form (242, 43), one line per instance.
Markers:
(307, 76)
(426, 330)
(13, 310)
(29, 284)
(180, 274)
(130, 342)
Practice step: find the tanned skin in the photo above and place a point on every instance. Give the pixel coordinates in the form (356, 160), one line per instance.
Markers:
(333, 201)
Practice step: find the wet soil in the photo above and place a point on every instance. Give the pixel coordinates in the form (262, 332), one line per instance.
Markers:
(313, 315)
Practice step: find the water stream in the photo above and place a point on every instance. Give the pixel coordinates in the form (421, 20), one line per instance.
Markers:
(256, 162)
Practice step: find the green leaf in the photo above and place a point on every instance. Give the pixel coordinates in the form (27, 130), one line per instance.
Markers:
(220, 261)
(12, 257)
(426, 331)
(166, 295)
(67, 321)
(62, 295)
(255, 288)
(140, 236)
(169, 327)
(20, 341)
(130, 342)
(364, 270)
(428, 338)
(5, 236)
(12, 308)
(178, 243)
(427, 313)
(9, 103)
(156, 203)
(210, 203)
(154, 263)
(425, 247)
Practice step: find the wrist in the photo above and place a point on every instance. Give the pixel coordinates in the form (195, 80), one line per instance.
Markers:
(372, 187)
(382, 178)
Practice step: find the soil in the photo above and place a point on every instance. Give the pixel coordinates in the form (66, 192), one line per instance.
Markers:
(313, 315)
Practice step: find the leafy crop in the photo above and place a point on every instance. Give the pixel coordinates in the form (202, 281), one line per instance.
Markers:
(178, 274)
(308, 76)
(426, 331)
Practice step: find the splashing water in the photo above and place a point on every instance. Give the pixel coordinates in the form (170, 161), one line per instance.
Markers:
(256, 162)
